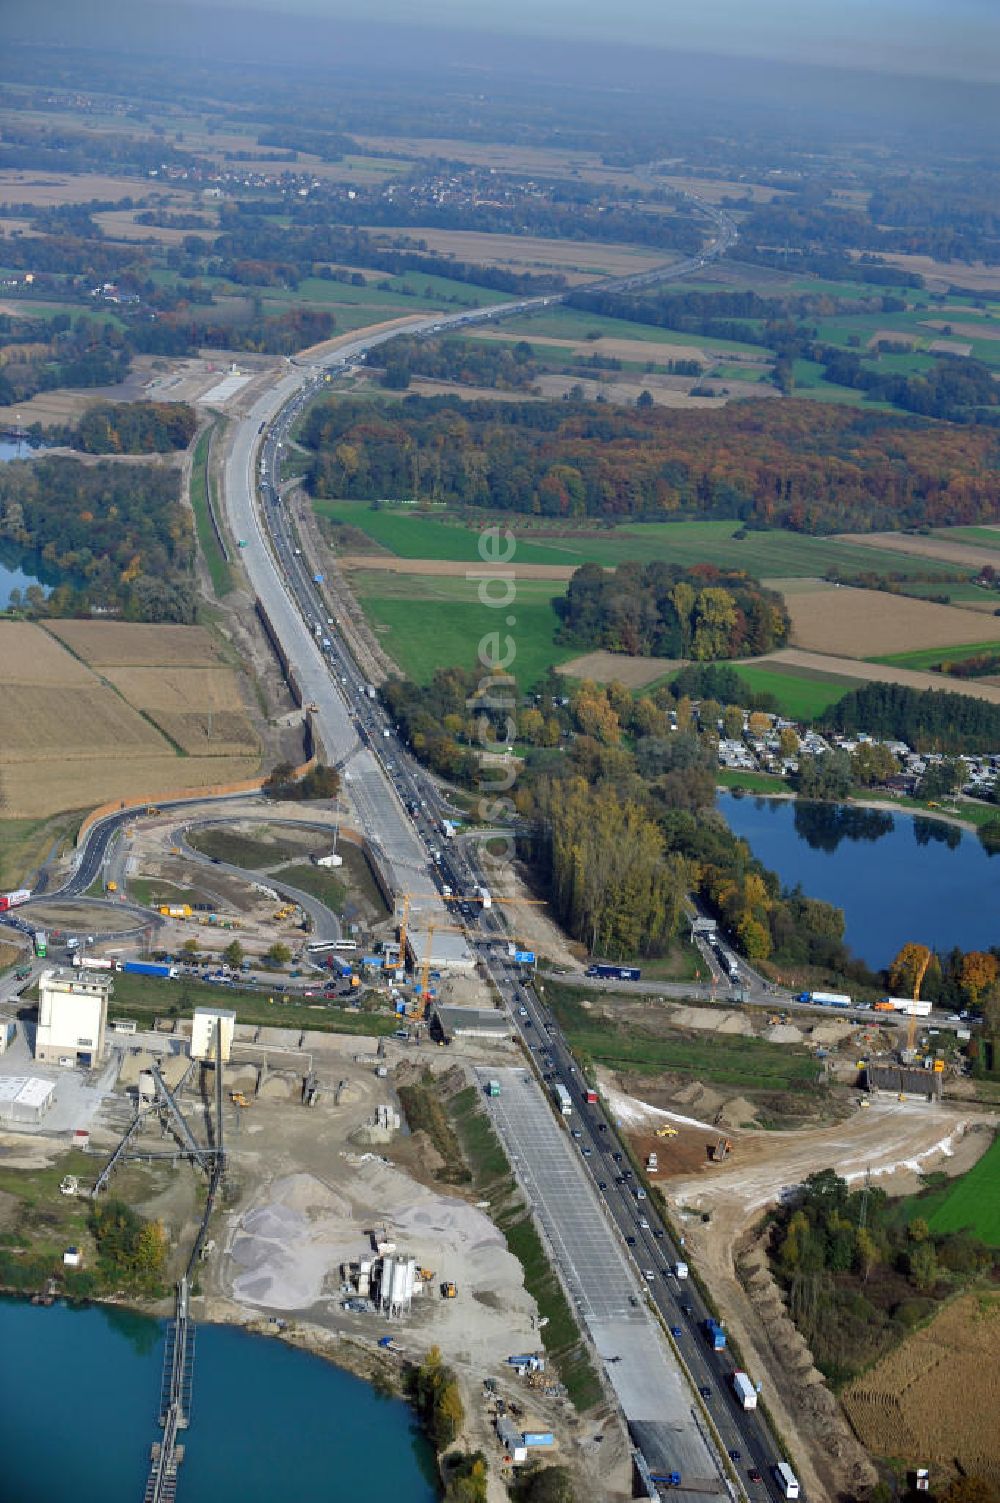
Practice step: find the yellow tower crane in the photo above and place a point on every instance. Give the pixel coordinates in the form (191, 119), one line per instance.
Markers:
(911, 1032)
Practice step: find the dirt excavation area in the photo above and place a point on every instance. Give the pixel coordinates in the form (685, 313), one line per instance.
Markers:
(718, 1207)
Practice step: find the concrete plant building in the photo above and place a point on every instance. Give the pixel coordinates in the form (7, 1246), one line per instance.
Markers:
(72, 1017)
(24, 1099)
(203, 1045)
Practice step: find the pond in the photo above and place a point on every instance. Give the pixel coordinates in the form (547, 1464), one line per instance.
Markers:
(897, 876)
(79, 1396)
(19, 569)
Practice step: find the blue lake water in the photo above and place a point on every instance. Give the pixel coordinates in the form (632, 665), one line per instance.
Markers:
(18, 569)
(79, 1393)
(898, 877)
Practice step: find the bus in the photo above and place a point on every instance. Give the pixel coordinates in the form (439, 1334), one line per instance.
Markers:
(563, 1101)
(41, 943)
(786, 1479)
(331, 947)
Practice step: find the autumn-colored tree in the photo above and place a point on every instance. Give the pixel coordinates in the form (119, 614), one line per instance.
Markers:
(788, 742)
(531, 726)
(755, 941)
(758, 724)
(910, 963)
(872, 762)
(978, 974)
(595, 717)
(683, 713)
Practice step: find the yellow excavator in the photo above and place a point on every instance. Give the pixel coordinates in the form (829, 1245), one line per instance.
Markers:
(666, 1132)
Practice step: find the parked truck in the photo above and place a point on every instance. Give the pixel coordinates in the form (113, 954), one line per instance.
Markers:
(714, 1334)
(614, 972)
(911, 1006)
(148, 968)
(744, 1390)
(825, 999)
(93, 962)
(14, 899)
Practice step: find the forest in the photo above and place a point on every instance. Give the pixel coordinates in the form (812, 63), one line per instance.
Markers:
(510, 369)
(129, 428)
(929, 720)
(857, 1277)
(119, 534)
(38, 354)
(809, 467)
(666, 611)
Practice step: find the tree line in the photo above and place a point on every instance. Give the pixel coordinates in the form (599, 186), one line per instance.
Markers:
(128, 428)
(667, 611)
(809, 467)
(453, 359)
(928, 720)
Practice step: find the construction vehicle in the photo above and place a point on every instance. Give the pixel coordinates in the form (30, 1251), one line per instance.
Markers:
(69, 1185)
(111, 886)
(426, 1275)
(721, 1149)
(238, 1098)
(151, 809)
(448, 1290)
(666, 1132)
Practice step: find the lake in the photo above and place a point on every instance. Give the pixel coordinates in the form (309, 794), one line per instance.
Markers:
(79, 1396)
(897, 876)
(18, 569)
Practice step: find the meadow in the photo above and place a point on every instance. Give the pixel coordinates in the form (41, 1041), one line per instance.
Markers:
(973, 1200)
(411, 533)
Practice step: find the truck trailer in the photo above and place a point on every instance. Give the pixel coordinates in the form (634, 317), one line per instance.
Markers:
(614, 972)
(714, 1335)
(14, 899)
(744, 1391)
(147, 968)
(825, 999)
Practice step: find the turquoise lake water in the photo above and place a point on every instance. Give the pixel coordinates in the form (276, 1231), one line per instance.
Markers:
(79, 1392)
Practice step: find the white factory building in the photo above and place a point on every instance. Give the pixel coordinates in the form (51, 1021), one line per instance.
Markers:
(203, 1045)
(72, 1017)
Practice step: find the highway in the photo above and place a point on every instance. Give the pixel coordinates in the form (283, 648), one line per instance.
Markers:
(400, 807)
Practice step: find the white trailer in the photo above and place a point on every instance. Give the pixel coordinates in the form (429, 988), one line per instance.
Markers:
(786, 1480)
(744, 1390)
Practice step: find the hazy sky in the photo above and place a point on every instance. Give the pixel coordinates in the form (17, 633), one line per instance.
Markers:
(957, 38)
(948, 38)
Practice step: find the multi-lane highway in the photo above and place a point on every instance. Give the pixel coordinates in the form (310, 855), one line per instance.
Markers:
(401, 808)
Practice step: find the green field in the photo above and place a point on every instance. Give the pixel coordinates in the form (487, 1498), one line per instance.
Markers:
(799, 695)
(424, 627)
(747, 1063)
(411, 533)
(980, 537)
(973, 1200)
(928, 657)
(570, 323)
(215, 562)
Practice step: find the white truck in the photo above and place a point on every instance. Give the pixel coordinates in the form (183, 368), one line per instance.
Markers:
(744, 1390)
(680, 1270)
(483, 894)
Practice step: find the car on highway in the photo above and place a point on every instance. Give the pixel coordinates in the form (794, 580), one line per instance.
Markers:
(705, 1391)
(753, 1475)
(630, 1241)
(676, 1332)
(602, 1184)
(735, 1455)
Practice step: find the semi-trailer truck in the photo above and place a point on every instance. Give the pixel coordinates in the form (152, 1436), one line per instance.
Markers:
(148, 968)
(786, 1480)
(825, 999)
(714, 1335)
(563, 1099)
(614, 972)
(744, 1390)
(14, 899)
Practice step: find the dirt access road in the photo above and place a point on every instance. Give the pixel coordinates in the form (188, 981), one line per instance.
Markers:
(895, 1141)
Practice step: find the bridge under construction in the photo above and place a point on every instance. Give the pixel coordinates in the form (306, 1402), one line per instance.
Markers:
(178, 1359)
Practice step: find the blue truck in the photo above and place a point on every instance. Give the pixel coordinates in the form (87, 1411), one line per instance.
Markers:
(614, 972)
(714, 1335)
(148, 968)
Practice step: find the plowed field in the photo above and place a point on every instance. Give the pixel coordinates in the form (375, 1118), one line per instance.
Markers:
(870, 623)
(119, 644)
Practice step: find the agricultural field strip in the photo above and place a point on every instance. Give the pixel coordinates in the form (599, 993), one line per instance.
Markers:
(107, 644)
(853, 669)
(870, 623)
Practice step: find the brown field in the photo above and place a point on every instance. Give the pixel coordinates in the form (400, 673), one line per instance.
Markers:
(589, 256)
(606, 667)
(119, 224)
(46, 723)
(937, 1396)
(939, 546)
(870, 623)
(620, 349)
(119, 644)
(177, 691)
(714, 190)
(72, 738)
(28, 655)
(979, 277)
(878, 673)
(625, 392)
(224, 733)
(34, 790)
(963, 330)
(536, 159)
(47, 188)
(893, 336)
